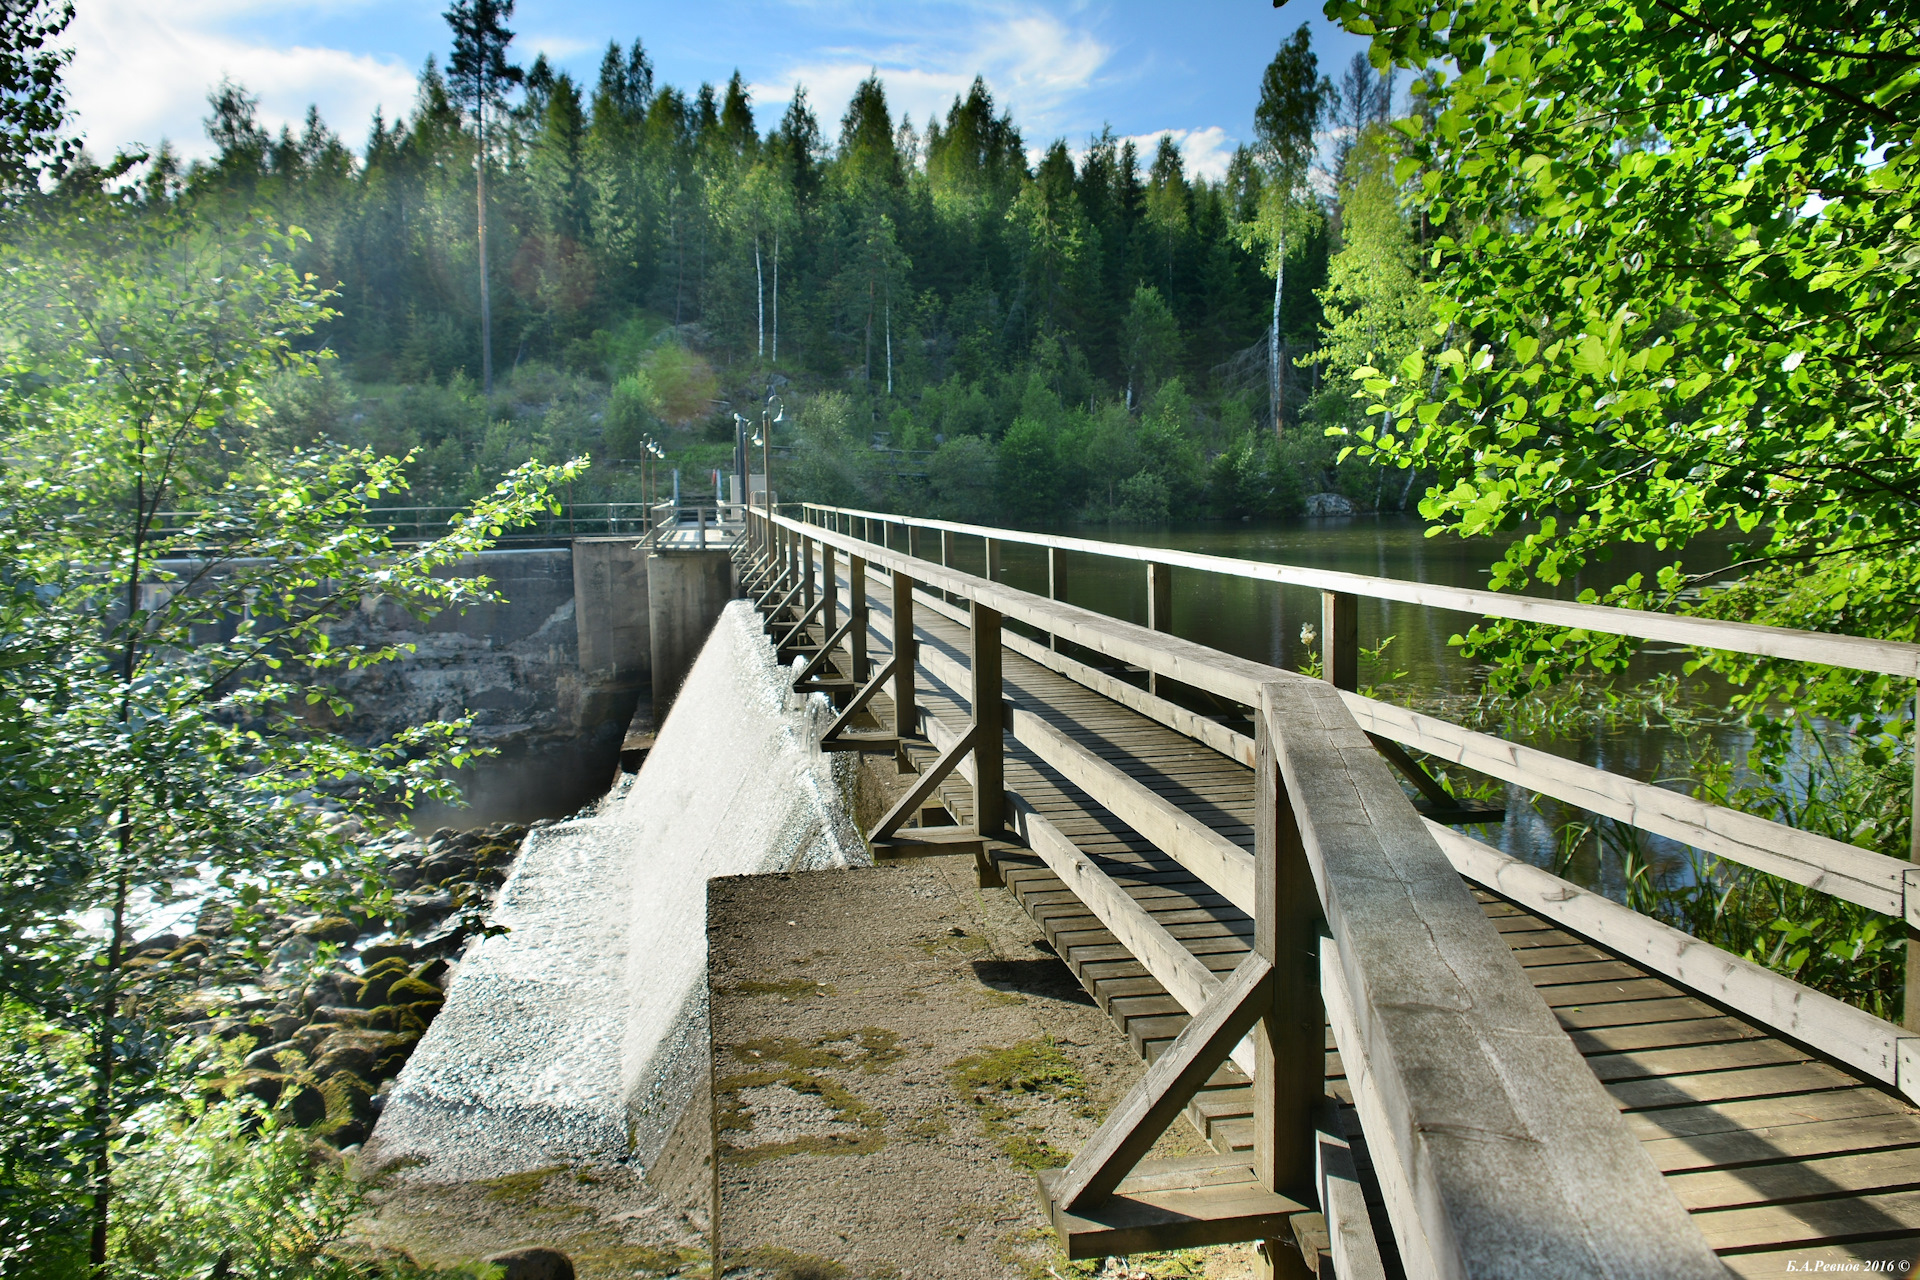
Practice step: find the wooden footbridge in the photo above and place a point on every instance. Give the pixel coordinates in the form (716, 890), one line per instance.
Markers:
(1413, 1054)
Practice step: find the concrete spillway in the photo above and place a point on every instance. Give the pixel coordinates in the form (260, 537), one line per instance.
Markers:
(578, 1035)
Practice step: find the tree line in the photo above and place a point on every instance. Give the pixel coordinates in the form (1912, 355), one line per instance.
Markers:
(978, 327)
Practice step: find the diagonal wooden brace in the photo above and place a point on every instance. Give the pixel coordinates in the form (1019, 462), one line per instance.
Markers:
(860, 700)
(923, 788)
(774, 613)
(819, 659)
(1428, 785)
(775, 577)
(800, 626)
(1151, 1105)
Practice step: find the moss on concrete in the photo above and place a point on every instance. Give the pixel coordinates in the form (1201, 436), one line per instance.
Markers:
(1001, 1083)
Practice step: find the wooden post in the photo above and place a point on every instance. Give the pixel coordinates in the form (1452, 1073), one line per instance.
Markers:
(946, 559)
(806, 572)
(1910, 1017)
(857, 611)
(989, 747)
(1289, 1062)
(993, 560)
(1159, 608)
(1056, 583)
(1340, 639)
(829, 587)
(906, 720)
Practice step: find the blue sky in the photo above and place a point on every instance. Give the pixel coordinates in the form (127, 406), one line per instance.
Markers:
(142, 69)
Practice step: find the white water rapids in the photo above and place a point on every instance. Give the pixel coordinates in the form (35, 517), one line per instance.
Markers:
(578, 1034)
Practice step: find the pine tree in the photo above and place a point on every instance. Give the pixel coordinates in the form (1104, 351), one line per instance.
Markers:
(480, 76)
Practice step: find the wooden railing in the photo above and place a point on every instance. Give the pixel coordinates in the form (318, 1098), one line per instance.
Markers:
(1883, 883)
(1498, 1152)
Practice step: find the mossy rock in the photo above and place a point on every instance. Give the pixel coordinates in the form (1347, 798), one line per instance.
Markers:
(305, 1106)
(407, 1019)
(373, 989)
(347, 1097)
(411, 990)
(380, 952)
(353, 1058)
(265, 1085)
(333, 929)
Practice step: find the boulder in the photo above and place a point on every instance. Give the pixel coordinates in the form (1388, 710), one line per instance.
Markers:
(372, 991)
(268, 1059)
(1328, 504)
(337, 1058)
(413, 991)
(306, 1107)
(332, 929)
(383, 951)
(533, 1264)
(265, 1086)
(283, 1025)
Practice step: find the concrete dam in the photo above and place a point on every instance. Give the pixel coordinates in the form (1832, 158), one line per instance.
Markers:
(939, 926)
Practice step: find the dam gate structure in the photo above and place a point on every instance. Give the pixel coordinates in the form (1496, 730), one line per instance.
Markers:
(1409, 1053)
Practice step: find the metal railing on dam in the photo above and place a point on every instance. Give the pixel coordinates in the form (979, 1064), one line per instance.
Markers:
(677, 525)
(1530, 1079)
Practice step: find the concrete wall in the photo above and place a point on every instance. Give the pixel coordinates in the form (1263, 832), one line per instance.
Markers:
(686, 590)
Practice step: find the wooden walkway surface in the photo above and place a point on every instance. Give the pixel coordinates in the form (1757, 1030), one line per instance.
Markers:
(1786, 1161)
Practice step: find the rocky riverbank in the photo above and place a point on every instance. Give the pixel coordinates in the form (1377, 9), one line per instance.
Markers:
(316, 1015)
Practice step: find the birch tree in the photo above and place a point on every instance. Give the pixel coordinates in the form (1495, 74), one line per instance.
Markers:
(1293, 100)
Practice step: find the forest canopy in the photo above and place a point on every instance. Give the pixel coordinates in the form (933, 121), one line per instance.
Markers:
(657, 263)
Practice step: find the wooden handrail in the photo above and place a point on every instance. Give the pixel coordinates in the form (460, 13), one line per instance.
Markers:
(1516, 1160)
(1854, 653)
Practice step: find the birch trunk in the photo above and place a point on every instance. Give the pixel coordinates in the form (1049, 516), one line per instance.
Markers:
(486, 298)
(776, 297)
(760, 298)
(1276, 394)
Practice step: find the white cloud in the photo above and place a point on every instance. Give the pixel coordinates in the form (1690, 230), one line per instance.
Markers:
(141, 72)
(1034, 63)
(1207, 151)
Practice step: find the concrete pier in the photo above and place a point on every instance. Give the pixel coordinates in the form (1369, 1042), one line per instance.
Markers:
(686, 590)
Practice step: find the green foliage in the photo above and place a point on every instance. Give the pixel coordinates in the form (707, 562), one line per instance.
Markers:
(1724, 341)
(1375, 307)
(632, 416)
(167, 640)
(682, 383)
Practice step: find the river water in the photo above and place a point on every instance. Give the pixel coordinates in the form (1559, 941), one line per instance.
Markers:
(1263, 621)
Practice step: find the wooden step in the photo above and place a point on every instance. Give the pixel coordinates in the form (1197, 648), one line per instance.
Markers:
(929, 842)
(1173, 1204)
(881, 744)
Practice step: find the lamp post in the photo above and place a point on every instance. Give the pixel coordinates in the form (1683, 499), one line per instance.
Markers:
(778, 410)
(742, 429)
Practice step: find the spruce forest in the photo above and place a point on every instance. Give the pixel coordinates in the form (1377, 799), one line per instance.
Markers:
(956, 318)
